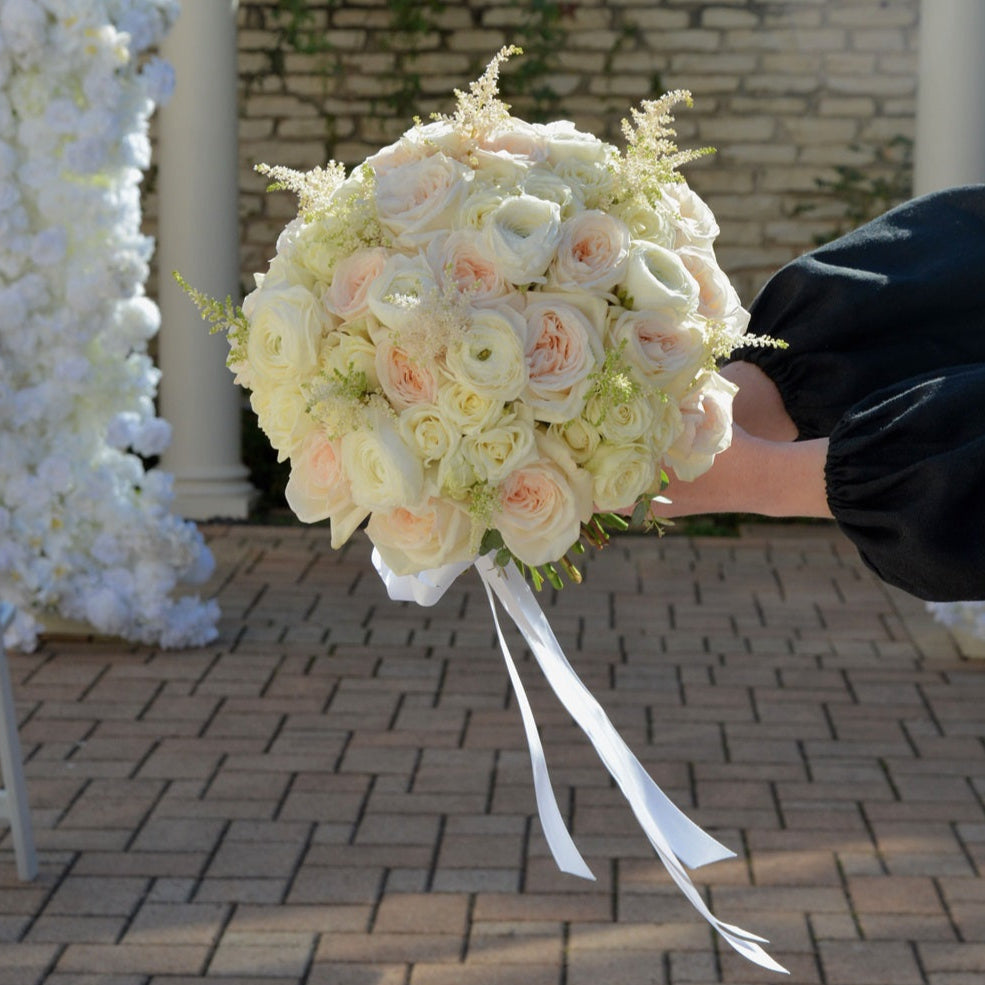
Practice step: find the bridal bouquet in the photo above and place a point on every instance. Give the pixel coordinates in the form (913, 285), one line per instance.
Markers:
(484, 341)
(490, 332)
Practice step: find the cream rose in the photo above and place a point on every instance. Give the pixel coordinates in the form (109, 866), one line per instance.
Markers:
(717, 298)
(578, 436)
(663, 349)
(695, 223)
(489, 356)
(592, 185)
(282, 413)
(656, 278)
(426, 431)
(624, 422)
(383, 471)
(521, 235)
(498, 450)
(542, 506)
(592, 254)
(286, 327)
(350, 354)
(466, 410)
(317, 488)
(565, 142)
(621, 474)
(645, 222)
(411, 540)
(397, 292)
(346, 297)
(707, 431)
(417, 198)
(461, 261)
(403, 379)
(563, 348)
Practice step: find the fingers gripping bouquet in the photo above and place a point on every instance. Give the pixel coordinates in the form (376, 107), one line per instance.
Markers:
(486, 340)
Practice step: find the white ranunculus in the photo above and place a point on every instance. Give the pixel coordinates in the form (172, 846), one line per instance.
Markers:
(521, 236)
(657, 278)
(489, 355)
(397, 292)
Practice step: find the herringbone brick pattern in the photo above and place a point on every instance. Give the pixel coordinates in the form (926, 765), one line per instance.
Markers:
(338, 792)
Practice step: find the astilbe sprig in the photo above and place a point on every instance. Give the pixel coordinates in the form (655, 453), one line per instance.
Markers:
(313, 188)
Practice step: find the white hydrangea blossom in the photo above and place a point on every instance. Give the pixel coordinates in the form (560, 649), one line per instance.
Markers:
(85, 531)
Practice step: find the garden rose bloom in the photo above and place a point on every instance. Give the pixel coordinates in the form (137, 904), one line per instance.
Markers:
(563, 348)
(521, 235)
(717, 298)
(317, 488)
(346, 297)
(416, 199)
(520, 140)
(657, 278)
(420, 538)
(592, 254)
(707, 431)
(695, 222)
(404, 380)
(665, 351)
(460, 260)
(542, 506)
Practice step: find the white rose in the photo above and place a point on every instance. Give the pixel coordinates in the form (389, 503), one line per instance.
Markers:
(665, 350)
(543, 183)
(466, 410)
(542, 506)
(482, 199)
(696, 224)
(592, 254)
(411, 540)
(521, 235)
(579, 437)
(565, 142)
(282, 413)
(428, 433)
(383, 471)
(717, 298)
(286, 327)
(656, 278)
(563, 348)
(489, 355)
(397, 292)
(645, 222)
(496, 451)
(346, 297)
(414, 200)
(594, 185)
(518, 138)
(707, 431)
(624, 422)
(621, 474)
(317, 488)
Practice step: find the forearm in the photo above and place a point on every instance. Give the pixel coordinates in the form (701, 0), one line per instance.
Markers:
(771, 478)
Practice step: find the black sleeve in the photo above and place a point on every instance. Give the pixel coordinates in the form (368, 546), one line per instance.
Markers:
(906, 482)
(899, 297)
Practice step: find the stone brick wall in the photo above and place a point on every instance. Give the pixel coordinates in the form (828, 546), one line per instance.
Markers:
(787, 91)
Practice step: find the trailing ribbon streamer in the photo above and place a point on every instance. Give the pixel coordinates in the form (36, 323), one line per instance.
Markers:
(677, 840)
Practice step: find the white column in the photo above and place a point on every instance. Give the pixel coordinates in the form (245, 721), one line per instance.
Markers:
(199, 236)
(950, 144)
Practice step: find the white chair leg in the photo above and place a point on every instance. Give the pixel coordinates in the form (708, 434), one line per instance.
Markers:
(13, 797)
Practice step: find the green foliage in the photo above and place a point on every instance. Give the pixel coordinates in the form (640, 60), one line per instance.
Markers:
(865, 193)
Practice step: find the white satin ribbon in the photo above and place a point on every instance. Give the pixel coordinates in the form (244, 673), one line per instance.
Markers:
(677, 840)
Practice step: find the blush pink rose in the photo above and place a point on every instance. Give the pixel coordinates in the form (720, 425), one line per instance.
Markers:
(411, 540)
(461, 260)
(350, 283)
(318, 488)
(707, 418)
(405, 380)
(592, 254)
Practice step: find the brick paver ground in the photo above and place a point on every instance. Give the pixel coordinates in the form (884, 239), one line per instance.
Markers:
(337, 792)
